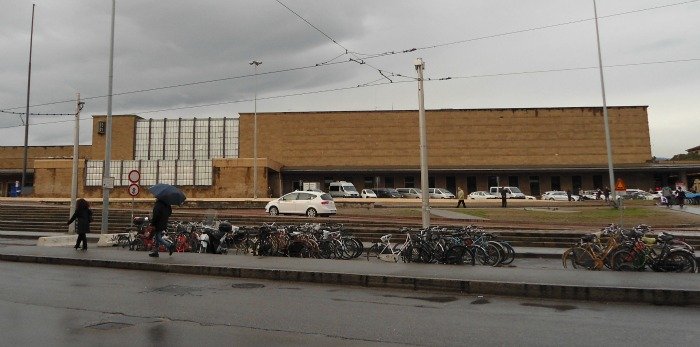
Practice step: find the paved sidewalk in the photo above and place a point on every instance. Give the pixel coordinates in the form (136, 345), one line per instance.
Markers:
(657, 288)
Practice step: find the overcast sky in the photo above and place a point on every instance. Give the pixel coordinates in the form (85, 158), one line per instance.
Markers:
(498, 53)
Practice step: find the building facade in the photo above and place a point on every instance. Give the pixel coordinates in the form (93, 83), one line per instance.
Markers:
(536, 149)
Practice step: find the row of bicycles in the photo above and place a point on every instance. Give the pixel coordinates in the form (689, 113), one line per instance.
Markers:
(327, 241)
(460, 245)
(633, 249)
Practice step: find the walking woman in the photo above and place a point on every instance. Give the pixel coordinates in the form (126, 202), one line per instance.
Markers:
(83, 215)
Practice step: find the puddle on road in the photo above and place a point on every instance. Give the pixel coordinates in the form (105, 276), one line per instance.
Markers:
(480, 301)
(177, 290)
(560, 308)
(109, 326)
(247, 285)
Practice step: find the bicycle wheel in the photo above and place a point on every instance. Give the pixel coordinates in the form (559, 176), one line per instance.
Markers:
(678, 261)
(373, 252)
(509, 255)
(578, 258)
(625, 260)
(484, 257)
(499, 248)
(454, 255)
(137, 245)
(326, 249)
(468, 256)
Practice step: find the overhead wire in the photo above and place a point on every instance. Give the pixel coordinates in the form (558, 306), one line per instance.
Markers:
(367, 56)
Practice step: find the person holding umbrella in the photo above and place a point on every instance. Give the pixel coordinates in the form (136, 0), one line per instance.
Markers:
(166, 195)
(83, 215)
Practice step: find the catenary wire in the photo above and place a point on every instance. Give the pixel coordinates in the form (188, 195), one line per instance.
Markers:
(368, 56)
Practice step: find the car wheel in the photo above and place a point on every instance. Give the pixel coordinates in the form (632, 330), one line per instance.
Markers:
(274, 211)
(311, 212)
(551, 199)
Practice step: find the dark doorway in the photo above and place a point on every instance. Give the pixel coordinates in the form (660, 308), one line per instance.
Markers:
(556, 183)
(471, 184)
(513, 181)
(493, 182)
(535, 185)
(576, 184)
(597, 181)
(450, 183)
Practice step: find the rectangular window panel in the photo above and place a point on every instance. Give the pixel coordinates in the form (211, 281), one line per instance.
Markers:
(171, 139)
(203, 173)
(185, 172)
(201, 139)
(166, 171)
(93, 173)
(115, 170)
(149, 170)
(216, 138)
(186, 138)
(231, 138)
(157, 132)
(141, 150)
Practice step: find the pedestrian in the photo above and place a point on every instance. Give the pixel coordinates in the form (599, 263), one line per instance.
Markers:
(504, 202)
(680, 197)
(598, 193)
(159, 223)
(667, 194)
(83, 215)
(460, 197)
(606, 193)
(568, 194)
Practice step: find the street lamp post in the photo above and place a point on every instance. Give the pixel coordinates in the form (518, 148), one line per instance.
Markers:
(611, 173)
(255, 132)
(106, 178)
(420, 66)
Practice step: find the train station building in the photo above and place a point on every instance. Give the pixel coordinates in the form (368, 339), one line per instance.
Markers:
(535, 149)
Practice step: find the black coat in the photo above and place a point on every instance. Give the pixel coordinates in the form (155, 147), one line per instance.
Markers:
(84, 217)
(161, 214)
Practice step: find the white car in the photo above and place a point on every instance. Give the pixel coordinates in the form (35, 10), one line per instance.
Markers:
(480, 194)
(440, 193)
(530, 197)
(368, 193)
(307, 203)
(558, 195)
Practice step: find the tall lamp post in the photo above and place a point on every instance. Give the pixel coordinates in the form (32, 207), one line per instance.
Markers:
(420, 66)
(255, 132)
(26, 122)
(608, 146)
(106, 178)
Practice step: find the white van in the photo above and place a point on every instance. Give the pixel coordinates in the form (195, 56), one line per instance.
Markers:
(511, 192)
(342, 189)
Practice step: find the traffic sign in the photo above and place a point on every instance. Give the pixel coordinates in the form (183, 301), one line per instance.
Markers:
(620, 185)
(134, 176)
(134, 189)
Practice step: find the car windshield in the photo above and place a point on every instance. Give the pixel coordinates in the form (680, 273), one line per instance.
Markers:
(369, 191)
(515, 190)
(444, 191)
(326, 196)
(349, 188)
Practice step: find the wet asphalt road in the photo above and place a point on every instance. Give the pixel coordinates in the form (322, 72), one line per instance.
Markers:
(76, 306)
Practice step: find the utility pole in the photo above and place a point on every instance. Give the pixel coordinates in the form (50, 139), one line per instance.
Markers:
(74, 179)
(425, 199)
(611, 173)
(26, 121)
(255, 133)
(106, 178)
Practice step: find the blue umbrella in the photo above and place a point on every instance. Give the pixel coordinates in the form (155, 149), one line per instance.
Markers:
(167, 193)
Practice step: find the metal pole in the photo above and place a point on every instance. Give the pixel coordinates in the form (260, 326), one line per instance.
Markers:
(611, 173)
(74, 178)
(26, 122)
(255, 133)
(420, 65)
(108, 142)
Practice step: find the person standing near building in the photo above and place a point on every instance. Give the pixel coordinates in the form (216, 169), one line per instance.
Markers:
(159, 222)
(460, 197)
(504, 201)
(680, 197)
(606, 193)
(568, 194)
(83, 215)
(667, 195)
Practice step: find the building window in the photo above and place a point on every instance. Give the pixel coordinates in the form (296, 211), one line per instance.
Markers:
(409, 182)
(576, 184)
(389, 182)
(597, 182)
(556, 183)
(431, 182)
(535, 185)
(471, 184)
(188, 139)
(177, 172)
(369, 182)
(493, 181)
(513, 181)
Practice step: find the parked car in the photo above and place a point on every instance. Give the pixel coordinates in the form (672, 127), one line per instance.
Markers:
(588, 195)
(440, 193)
(368, 193)
(530, 197)
(386, 193)
(511, 192)
(308, 203)
(343, 189)
(411, 193)
(558, 195)
(480, 194)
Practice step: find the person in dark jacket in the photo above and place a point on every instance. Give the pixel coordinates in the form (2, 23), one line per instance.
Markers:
(680, 197)
(159, 222)
(83, 215)
(504, 196)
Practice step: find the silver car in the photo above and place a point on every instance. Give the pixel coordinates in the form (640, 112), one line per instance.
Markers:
(440, 193)
(411, 193)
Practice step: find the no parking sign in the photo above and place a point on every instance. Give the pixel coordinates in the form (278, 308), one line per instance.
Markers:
(134, 177)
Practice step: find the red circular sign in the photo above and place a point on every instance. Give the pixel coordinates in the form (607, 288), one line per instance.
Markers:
(134, 176)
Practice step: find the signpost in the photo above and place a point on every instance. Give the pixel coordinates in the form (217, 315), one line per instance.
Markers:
(134, 177)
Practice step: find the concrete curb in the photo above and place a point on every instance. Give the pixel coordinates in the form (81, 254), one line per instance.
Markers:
(531, 290)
